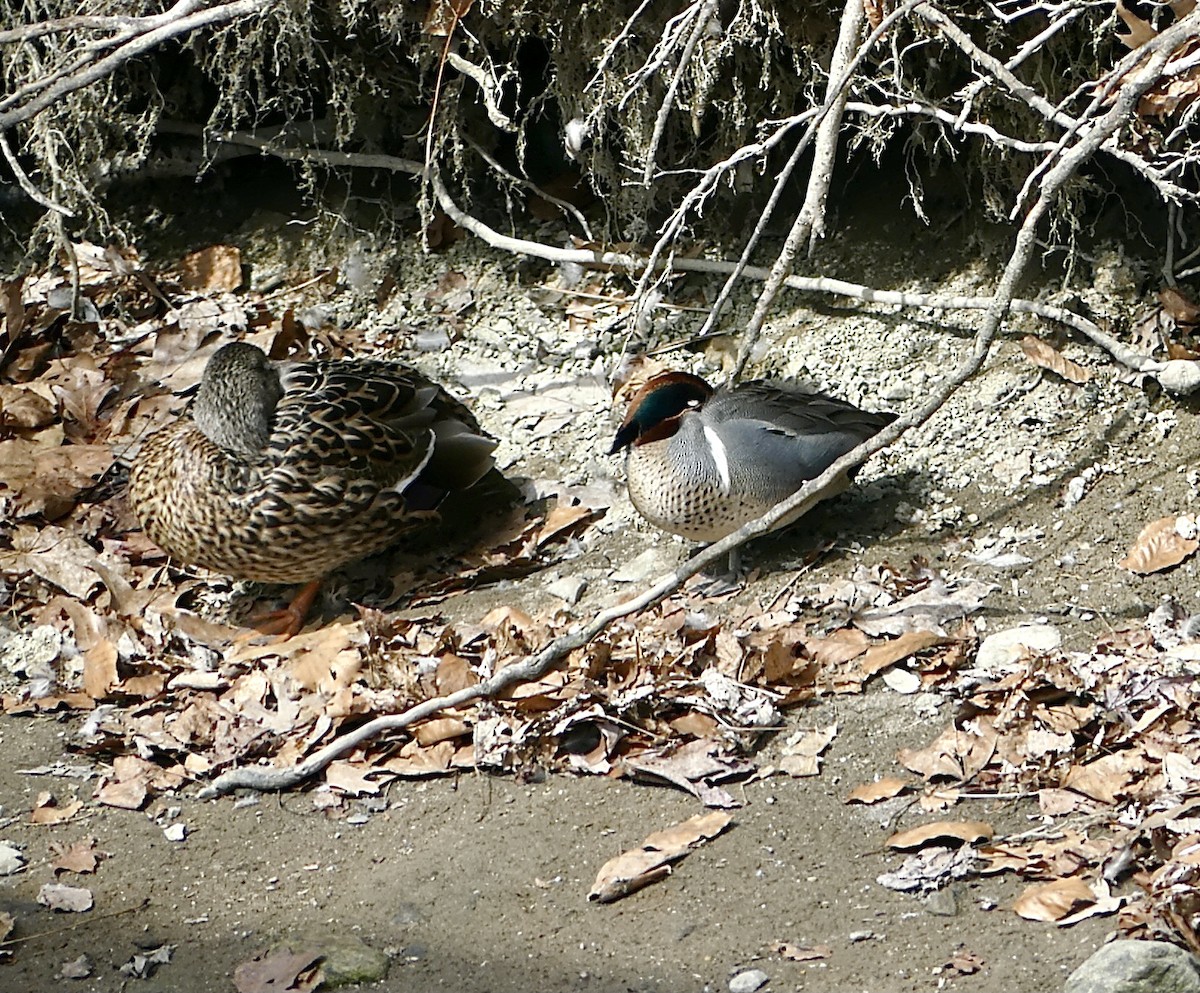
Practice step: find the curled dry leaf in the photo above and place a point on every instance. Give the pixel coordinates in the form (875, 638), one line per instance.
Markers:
(881, 789)
(1108, 777)
(1179, 306)
(1140, 31)
(296, 972)
(801, 753)
(1162, 544)
(47, 811)
(1054, 901)
(887, 653)
(1047, 356)
(963, 963)
(967, 832)
(800, 953)
(638, 867)
(957, 753)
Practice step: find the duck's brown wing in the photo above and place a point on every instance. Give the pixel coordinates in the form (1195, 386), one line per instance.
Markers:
(380, 421)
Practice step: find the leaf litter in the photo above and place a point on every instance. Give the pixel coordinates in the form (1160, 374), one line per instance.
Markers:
(1107, 738)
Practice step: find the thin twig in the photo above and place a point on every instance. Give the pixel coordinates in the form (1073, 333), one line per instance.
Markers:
(703, 14)
(812, 213)
(130, 50)
(1027, 95)
(845, 74)
(26, 183)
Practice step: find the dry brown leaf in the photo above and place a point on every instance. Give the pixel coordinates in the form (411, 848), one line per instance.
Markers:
(216, 269)
(440, 729)
(100, 669)
(564, 521)
(453, 674)
(963, 963)
(295, 972)
(800, 953)
(1108, 777)
(129, 783)
(24, 407)
(47, 811)
(414, 760)
(59, 557)
(630, 871)
(352, 777)
(884, 654)
(1054, 901)
(1046, 356)
(967, 832)
(81, 857)
(881, 789)
(1162, 544)
(694, 723)
(841, 646)
(957, 753)
(801, 757)
(1178, 305)
(146, 686)
(1140, 31)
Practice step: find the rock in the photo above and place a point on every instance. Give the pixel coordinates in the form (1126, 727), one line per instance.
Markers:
(748, 981)
(943, 902)
(1137, 967)
(80, 968)
(348, 960)
(11, 859)
(649, 564)
(568, 588)
(1003, 648)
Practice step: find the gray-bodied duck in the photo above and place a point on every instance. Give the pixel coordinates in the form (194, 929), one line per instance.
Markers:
(283, 471)
(702, 462)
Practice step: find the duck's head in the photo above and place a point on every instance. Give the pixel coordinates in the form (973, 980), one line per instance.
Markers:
(656, 408)
(235, 404)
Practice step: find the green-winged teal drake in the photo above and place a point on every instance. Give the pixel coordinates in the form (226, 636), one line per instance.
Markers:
(702, 462)
(284, 471)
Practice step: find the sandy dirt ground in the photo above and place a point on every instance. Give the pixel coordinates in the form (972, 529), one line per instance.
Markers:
(479, 882)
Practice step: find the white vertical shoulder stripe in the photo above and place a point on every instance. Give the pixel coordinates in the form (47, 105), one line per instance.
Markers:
(720, 458)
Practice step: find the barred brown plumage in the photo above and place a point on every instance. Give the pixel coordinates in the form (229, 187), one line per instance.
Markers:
(284, 471)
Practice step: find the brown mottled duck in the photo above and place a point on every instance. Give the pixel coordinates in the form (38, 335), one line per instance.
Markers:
(283, 471)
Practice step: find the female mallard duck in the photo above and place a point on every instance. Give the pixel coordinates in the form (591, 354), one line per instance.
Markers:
(284, 471)
(702, 462)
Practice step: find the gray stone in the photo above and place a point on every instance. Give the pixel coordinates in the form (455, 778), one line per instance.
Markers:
(748, 981)
(568, 588)
(1004, 648)
(11, 859)
(943, 902)
(1137, 967)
